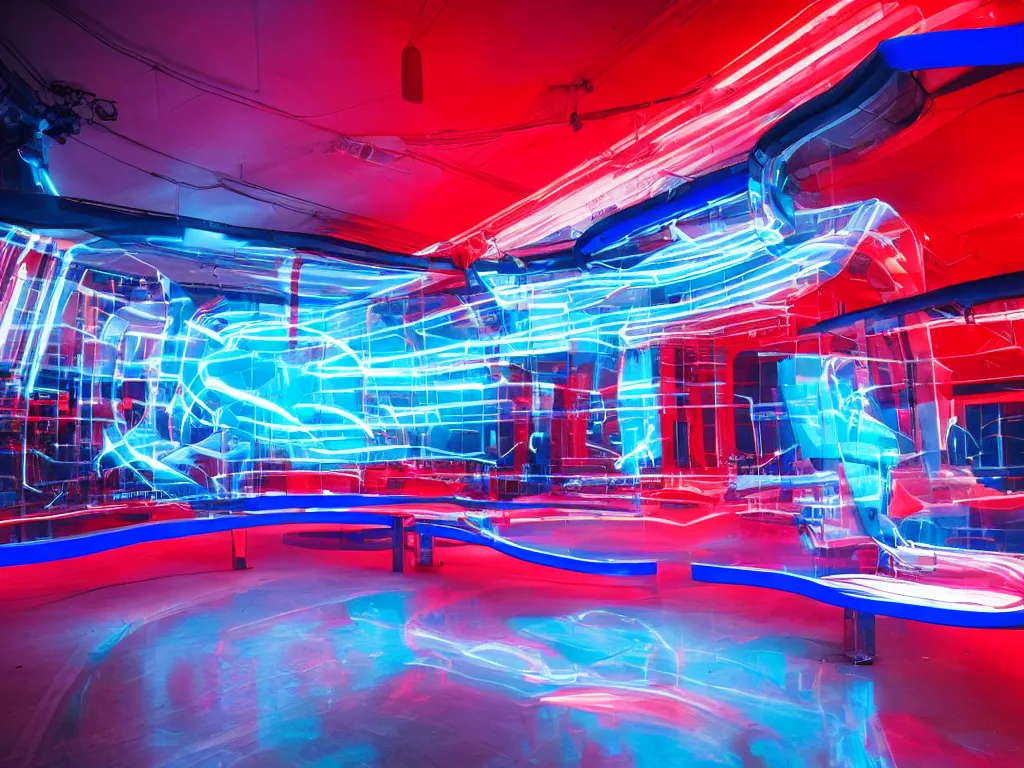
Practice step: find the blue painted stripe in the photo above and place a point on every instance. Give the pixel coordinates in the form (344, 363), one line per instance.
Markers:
(349, 500)
(663, 208)
(540, 557)
(990, 47)
(300, 501)
(101, 541)
(835, 594)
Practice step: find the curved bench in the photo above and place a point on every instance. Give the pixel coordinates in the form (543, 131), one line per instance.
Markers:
(564, 562)
(48, 550)
(864, 596)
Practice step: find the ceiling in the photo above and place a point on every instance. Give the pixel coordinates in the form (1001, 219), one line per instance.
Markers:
(288, 115)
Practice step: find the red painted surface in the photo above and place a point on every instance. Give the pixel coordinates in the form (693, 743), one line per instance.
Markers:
(308, 100)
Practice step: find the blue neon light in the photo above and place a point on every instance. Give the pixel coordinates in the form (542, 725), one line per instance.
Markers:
(990, 47)
(835, 594)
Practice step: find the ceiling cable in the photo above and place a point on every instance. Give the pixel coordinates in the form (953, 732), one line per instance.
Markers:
(413, 39)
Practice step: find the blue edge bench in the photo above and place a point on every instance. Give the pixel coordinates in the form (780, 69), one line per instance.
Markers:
(859, 604)
(239, 515)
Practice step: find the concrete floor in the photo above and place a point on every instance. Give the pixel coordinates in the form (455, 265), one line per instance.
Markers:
(159, 655)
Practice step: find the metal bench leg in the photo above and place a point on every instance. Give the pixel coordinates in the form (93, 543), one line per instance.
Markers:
(425, 555)
(239, 549)
(859, 636)
(397, 545)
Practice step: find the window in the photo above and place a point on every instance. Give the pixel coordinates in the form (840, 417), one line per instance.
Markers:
(998, 429)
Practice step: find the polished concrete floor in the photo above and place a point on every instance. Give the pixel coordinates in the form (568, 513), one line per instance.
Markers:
(161, 656)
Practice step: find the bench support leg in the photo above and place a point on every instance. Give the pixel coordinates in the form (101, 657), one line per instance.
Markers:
(397, 545)
(425, 555)
(859, 636)
(239, 549)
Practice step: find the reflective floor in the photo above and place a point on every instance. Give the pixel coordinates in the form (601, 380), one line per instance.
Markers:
(159, 655)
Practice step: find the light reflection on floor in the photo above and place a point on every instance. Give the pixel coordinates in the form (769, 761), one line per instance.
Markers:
(325, 658)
